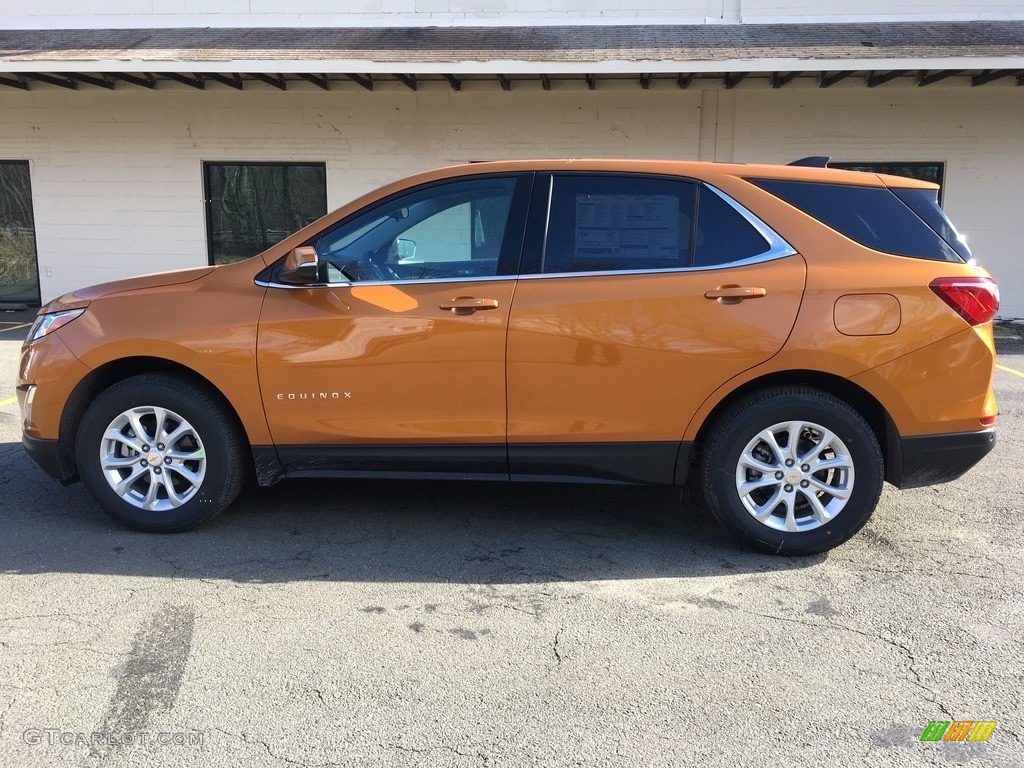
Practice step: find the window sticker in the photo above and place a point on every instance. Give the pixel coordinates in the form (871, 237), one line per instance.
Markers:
(627, 226)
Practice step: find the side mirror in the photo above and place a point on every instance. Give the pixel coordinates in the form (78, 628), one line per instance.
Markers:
(301, 266)
(405, 249)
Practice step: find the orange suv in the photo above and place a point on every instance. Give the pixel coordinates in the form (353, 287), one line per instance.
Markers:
(786, 336)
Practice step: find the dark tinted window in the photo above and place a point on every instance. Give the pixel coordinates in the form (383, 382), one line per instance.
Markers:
(932, 172)
(723, 235)
(252, 206)
(872, 216)
(602, 223)
(924, 171)
(925, 203)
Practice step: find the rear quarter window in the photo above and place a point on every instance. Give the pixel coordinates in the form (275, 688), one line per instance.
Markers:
(723, 236)
(925, 203)
(871, 216)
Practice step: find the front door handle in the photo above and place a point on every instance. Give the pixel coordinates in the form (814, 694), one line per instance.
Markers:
(467, 305)
(734, 294)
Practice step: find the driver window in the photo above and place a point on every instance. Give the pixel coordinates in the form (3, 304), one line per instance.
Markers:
(444, 231)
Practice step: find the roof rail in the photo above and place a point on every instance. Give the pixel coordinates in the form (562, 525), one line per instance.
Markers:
(815, 161)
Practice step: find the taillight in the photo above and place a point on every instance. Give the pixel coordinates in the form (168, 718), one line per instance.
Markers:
(975, 299)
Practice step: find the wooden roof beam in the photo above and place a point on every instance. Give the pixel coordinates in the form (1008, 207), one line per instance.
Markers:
(18, 83)
(63, 82)
(320, 81)
(234, 80)
(732, 79)
(875, 79)
(825, 80)
(409, 81)
(924, 78)
(277, 81)
(779, 79)
(363, 82)
(144, 79)
(194, 82)
(101, 81)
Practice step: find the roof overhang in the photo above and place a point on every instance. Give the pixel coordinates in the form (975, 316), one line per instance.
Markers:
(514, 67)
(931, 51)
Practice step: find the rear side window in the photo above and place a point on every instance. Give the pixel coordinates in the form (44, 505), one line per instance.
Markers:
(871, 216)
(613, 223)
(630, 223)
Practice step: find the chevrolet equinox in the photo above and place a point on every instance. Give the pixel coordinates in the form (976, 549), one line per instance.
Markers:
(787, 337)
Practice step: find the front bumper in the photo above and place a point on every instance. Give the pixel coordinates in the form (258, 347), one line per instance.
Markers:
(46, 453)
(934, 459)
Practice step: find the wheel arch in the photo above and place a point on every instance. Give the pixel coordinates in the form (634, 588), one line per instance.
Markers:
(110, 373)
(858, 398)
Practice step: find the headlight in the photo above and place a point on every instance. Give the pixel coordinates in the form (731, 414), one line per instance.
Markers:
(50, 322)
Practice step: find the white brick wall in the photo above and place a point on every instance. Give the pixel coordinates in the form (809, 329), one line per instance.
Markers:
(117, 176)
(225, 13)
(758, 11)
(976, 132)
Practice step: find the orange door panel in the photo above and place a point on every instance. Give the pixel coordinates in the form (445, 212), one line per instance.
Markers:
(630, 357)
(414, 363)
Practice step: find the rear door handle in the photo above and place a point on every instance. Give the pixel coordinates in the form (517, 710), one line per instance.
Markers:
(467, 305)
(734, 294)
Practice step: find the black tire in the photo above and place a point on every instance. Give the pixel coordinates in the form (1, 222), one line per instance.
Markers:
(739, 426)
(218, 439)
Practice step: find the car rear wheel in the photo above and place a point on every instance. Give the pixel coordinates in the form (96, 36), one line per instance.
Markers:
(792, 470)
(159, 453)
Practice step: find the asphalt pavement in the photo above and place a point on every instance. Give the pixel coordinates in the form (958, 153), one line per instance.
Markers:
(358, 623)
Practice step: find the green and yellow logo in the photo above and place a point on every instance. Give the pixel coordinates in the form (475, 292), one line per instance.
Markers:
(958, 730)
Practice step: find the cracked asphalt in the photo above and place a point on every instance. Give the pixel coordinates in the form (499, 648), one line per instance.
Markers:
(409, 623)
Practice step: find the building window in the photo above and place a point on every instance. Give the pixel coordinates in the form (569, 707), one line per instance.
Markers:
(19, 273)
(252, 206)
(932, 172)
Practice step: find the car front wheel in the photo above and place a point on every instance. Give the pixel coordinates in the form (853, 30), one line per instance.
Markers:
(159, 453)
(792, 470)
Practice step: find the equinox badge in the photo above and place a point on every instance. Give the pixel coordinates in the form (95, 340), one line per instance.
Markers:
(314, 395)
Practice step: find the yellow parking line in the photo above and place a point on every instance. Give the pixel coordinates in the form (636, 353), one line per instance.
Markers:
(1014, 371)
(8, 401)
(14, 327)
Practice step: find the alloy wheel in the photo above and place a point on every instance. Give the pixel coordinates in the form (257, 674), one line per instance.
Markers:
(794, 476)
(152, 458)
